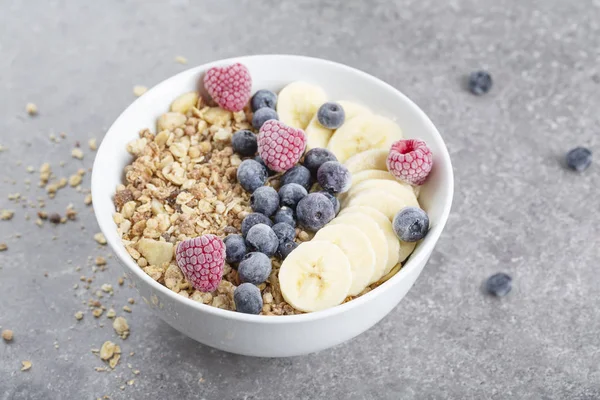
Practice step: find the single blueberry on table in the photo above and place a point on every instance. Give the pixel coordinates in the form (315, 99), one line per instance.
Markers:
(333, 199)
(262, 115)
(331, 115)
(263, 98)
(285, 215)
(254, 268)
(297, 174)
(244, 143)
(316, 157)
(314, 211)
(480, 82)
(284, 232)
(247, 299)
(251, 175)
(259, 160)
(291, 194)
(285, 249)
(498, 284)
(264, 200)
(254, 219)
(411, 224)
(334, 177)
(235, 248)
(261, 238)
(579, 159)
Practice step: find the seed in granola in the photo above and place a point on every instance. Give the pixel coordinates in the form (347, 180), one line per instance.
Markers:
(99, 237)
(55, 218)
(77, 153)
(7, 335)
(122, 197)
(31, 109)
(139, 90)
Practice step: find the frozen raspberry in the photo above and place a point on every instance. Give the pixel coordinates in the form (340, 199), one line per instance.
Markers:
(410, 161)
(201, 260)
(229, 86)
(280, 146)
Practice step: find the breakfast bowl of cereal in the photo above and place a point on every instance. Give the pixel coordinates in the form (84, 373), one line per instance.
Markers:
(272, 205)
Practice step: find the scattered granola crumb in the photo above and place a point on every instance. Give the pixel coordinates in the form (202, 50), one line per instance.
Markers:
(111, 313)
(6, 214)
(55, 218)
(100, 260)
(99, 237)
(31, 109)
(127, 309)
(3, 247)
(136, 371)
(77, 153)
(92, 144)
(121, 327)
(121, 280)
(74, 180)
(87, 200)
(26, 365)
(181, 60)
(7, 335)
(79, 315)
(107, 288)
(30, 169)
(71, 214)
(97, 312)
(130, 382)
(131, 300)
(139, 90)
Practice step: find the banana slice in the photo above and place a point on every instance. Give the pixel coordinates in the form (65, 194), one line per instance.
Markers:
(395, 188)
(386, 226)
(370, 159)
(375, 235)
(362, 133)
(357, 247)
(365, 175)
(315, 276)
(383, 201)
(298, 102)
(319, 136)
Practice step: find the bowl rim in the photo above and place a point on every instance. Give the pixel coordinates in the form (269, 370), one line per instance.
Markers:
(425, 247)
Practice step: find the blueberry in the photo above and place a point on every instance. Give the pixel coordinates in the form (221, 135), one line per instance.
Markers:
(264, 200)
(263, 98)
(244, 143)
(284, 232)
(499, 284)
(254, 268)
(262, 115)
(259, 160)
(314, 211)
(291, 194)
(262, 238)
(285, 249)
(314, 158)
(331, 115)
(333, 199)
(480, 82)
(297, 174)
(235, 248)
(285, 215)
(254, 219)
(334, 177)
(411, 224)
(247, 299)
(579, 159)
(251, 175)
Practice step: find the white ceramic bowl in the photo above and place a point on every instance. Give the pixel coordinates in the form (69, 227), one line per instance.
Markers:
(275, 336)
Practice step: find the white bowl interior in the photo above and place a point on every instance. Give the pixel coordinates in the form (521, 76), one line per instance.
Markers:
(273, 72)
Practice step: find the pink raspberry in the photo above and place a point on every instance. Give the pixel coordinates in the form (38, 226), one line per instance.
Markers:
(280, 146)
(229, 86)
(201, 260)
(410, 161)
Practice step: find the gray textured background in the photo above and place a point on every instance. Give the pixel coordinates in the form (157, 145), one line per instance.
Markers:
(516, 209)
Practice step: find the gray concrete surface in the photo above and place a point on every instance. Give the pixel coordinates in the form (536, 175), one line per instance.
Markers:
(516, 208)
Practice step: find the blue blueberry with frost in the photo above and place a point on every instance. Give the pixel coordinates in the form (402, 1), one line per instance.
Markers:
(297, 174)
(411, 224)
(314, 211)
(291, 194)
(251, 175)
(244, 142)
(333, 199)
(261, 238)
(235, 248)
(285, 215)
(285, 249)
(331, 115)
(579, 159)
(254, 219)
(480, 82)
(247, 299)
(263, 98)
(334, 177)
(316, 157)
(498, 284)
(262, 115)
(284, 232)
(254, 268)
(264, 200)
